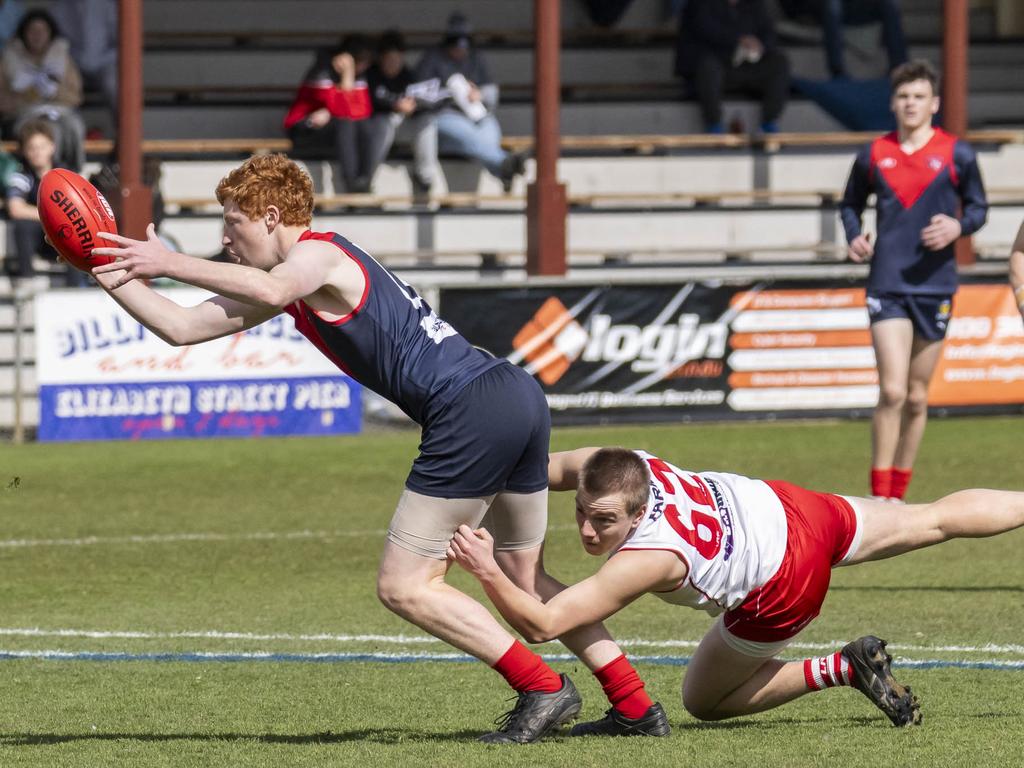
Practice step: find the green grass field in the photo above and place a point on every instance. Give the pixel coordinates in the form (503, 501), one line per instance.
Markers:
(163, 604)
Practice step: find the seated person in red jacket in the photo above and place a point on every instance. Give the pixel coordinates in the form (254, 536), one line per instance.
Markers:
(332, 100)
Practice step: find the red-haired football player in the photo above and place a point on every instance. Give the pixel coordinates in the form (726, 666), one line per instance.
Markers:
(485, 421)
(758, 555)
(929, 193)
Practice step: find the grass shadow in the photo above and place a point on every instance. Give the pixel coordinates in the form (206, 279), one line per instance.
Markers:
(370, 735)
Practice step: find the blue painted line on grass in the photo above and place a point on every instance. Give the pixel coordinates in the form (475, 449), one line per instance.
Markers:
(340, 658)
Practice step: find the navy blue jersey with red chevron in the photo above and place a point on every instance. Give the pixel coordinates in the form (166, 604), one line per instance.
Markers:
(911, 188)
(393, 342)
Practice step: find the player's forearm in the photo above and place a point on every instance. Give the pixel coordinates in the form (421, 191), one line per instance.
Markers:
(235, 281)
(530, 617)
(166, 319)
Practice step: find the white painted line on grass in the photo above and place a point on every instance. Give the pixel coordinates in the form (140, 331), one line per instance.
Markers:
(333, 658)
(172, 538)
(175, 538)
(215, 635)
(402, 639)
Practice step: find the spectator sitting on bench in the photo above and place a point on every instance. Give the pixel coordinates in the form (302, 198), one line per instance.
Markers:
(324, 119)
(36, 149)
(466, 124)
(40, 79)
(397, 101)
(730, 45)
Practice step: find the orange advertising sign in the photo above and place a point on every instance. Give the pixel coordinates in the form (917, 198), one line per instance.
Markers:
(982, 360)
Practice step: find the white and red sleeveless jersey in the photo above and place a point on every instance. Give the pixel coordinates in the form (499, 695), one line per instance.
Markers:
(730, 531)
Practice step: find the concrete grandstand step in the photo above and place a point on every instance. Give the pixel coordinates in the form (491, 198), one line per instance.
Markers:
(275, 73)
(238, 121)
(234, 16)
(285, 68)
(703, 172)
(28, 379)
(7, 315)
(697, 172)
(679, 230)
(196, 122)
(29, 411)
(7, 344)
(500, 232)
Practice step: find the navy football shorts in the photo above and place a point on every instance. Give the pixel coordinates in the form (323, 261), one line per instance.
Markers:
(493, 436)
(929, 313)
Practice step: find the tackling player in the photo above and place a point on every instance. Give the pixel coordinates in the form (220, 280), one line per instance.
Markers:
(922, 177)
(756, 554)
(483, 455)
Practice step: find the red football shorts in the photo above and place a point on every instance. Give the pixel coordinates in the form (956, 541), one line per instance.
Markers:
(822, 528)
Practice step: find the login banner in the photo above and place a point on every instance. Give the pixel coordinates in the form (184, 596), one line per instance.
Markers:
(765, 349)
(102, 375)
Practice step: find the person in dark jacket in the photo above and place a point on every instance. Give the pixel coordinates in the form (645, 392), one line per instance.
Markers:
(400, 104)
(730, 45)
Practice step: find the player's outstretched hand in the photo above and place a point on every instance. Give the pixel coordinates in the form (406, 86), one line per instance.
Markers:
(473, 550)
(143, 259)
(940, 232)
(860, 249)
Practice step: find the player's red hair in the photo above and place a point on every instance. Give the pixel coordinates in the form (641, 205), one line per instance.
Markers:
(616, 470)
(265, 180)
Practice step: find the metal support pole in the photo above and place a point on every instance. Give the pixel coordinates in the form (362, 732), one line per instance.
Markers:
(956, 23)
(19, 322)
(136, 208)
(546, 205)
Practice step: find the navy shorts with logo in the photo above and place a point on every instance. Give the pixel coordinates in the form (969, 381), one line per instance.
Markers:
(493, 436)
(929, 313)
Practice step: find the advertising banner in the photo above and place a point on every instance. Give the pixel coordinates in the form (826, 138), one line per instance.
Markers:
(705, 350)
(102, 375)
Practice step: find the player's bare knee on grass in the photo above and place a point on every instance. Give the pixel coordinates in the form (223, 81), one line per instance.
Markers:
(700, 708)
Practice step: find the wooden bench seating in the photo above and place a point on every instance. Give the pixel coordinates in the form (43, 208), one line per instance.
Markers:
(200, 149)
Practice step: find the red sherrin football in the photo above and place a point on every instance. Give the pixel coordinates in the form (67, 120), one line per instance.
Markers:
(72, 211)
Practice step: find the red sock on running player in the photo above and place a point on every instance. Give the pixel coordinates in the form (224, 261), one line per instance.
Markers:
(624, 688)
(524, 670)
(900, 481)
(827, 671)
(881, 482)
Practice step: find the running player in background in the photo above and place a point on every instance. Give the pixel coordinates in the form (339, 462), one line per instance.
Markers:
(1017, 270)
(756, 554)
(929, 193)
(475, 459)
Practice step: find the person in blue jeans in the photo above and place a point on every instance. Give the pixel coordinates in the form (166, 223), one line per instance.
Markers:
(466, 124)
(836, 13)
(833, 15)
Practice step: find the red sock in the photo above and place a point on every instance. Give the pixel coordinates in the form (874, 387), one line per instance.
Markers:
(881, 482)
(526, 671)
(900, 481)
(827, 671)
(624, 688)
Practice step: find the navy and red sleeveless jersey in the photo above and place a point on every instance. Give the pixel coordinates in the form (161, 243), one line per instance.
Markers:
(940, 177)
(393, 342)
